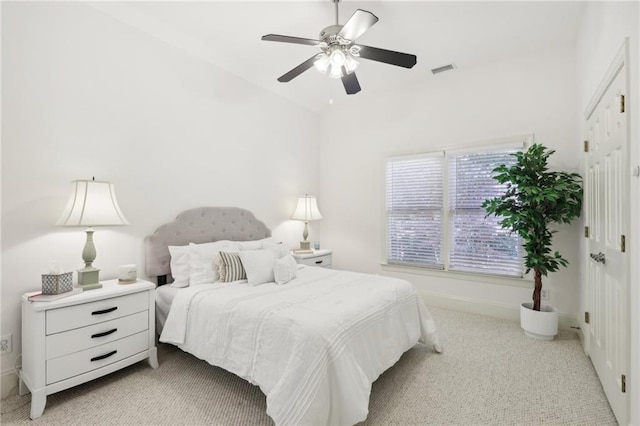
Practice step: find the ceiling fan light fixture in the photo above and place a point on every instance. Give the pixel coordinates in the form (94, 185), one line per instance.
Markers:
(337, 57)
(332, 63)
(335, 72)
(322, 63)
(350, 64)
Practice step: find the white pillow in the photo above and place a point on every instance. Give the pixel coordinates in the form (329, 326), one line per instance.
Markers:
(279, 250)
(258, 265)
(180, 269)
(285, 269)
(202, 258)
(257, 244)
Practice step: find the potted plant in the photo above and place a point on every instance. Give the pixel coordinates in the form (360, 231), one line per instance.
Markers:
(534, 199)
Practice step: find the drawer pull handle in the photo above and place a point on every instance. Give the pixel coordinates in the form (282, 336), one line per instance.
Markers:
(105, 333)
(98, 358)
(104, 311)
(319, 262)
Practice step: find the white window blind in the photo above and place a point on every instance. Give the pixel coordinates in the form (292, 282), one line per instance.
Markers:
(415, 210)
(419, 189)
(478, 243)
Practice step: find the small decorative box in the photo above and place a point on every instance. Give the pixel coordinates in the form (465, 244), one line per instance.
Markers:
(57, 283)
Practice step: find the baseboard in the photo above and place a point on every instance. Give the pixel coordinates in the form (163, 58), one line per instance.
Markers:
(8, 384)
(491, 309)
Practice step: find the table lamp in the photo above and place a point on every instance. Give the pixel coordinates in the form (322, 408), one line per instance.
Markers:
(91, 203)
(306, 210)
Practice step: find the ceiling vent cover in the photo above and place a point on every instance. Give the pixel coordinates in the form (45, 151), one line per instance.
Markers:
(443, 68)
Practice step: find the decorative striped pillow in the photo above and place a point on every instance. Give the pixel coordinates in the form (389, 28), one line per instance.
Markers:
(230, 267)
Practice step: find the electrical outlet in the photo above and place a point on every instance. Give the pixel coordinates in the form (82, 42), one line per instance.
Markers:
(544, 294)
(5, 344)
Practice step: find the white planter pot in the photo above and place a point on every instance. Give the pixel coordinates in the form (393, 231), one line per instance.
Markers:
(542, 324)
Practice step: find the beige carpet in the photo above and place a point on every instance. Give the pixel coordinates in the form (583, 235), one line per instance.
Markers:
(488, 374)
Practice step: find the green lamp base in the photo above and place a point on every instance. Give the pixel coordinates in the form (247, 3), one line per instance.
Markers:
(305, 245)
(88, 278)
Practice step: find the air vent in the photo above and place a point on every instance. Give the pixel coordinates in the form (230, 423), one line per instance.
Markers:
(443, 69)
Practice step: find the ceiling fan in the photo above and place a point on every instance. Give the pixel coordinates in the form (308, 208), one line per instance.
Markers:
(339, 50)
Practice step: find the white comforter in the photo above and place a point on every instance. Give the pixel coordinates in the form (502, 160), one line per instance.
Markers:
(314, 345)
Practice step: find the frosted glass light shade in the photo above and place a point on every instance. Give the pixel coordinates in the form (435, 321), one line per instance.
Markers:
(307, 209)
(92, 203)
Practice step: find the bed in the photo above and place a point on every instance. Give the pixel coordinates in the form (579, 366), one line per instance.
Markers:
(314, 345)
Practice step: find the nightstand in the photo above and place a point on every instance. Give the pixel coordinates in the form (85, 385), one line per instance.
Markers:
(320, 258)
(79, 338)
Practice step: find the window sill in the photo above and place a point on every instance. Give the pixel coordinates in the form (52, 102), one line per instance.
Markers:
(457, 275)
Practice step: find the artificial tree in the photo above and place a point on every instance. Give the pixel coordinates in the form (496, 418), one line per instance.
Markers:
(534, 199)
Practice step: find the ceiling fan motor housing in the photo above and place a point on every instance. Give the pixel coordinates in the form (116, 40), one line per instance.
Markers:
(329, 35)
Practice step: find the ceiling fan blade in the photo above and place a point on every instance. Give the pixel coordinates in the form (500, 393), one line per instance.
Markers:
(289, 39)
(298, 70)
(360, 21)
(392, 57)
(350, 82)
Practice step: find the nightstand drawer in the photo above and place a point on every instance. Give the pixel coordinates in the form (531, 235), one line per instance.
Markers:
(71, 341)
(82, 362)
(64, 319)
(323, 261)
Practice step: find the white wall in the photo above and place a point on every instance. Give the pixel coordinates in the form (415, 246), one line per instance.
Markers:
(85, 95)
(535, 93)
(604, 29)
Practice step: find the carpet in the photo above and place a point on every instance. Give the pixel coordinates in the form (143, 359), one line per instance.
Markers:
(489, 373)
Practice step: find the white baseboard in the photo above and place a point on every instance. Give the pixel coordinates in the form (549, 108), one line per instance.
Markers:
(8, 384)
(491, 309)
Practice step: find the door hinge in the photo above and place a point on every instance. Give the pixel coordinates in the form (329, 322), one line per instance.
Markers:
(586, 146)
(623, 244)
(623, 383)
(621, 103)
(586, 318)
(586, 232)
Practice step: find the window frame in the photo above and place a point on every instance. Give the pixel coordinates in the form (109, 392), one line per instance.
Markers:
(517, 142)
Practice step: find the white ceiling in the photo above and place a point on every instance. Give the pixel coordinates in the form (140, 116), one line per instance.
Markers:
(465, 33)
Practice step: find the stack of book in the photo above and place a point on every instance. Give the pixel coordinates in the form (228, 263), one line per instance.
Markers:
(37, 296)
(303, 251)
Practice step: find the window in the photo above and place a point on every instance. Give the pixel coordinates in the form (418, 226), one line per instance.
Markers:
(435, 217)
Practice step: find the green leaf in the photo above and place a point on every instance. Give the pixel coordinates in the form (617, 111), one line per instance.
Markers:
(534, 199)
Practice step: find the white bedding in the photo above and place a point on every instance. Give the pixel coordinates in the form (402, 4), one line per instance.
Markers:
(164, 298)
(314, 345)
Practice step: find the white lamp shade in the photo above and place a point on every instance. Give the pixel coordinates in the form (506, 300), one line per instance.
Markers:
(307, 209)
(92, 203)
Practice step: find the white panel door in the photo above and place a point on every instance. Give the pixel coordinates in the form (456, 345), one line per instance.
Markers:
(607, 215)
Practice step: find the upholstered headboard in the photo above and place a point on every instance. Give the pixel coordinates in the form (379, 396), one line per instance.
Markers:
(200, 225)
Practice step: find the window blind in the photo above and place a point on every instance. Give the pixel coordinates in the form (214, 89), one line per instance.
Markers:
(436, 198)
(414, 206)
(478, 243)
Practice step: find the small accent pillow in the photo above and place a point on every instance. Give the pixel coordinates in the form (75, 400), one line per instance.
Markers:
(259, 265)
(285, 269)
(229, 267)
(202, 258)
(180, 269)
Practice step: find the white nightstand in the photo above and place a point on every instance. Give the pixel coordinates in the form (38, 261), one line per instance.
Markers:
(79, 338)
(320, 258)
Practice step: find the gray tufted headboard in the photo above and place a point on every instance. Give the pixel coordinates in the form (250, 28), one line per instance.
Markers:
(200, 225)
